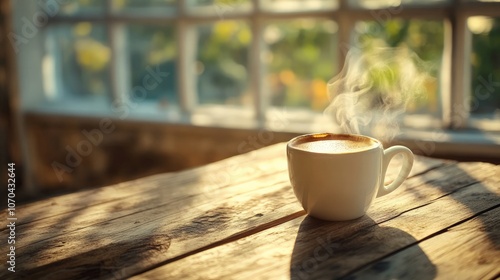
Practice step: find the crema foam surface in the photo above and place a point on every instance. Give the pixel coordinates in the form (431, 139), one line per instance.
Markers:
(335, 146)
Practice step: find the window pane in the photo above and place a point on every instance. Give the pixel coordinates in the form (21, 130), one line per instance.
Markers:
(421, 37)
(81, 58)
(218, 7)
(397, 4)
(222, 63)
(151, 54)
(298, 5)
(485, 61)
(145, 6)
(301, 58)
(74, 7)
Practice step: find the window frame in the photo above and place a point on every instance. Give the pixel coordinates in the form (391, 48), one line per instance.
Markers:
(455, 70)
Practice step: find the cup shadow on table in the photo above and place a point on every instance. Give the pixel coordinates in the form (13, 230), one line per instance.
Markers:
(356, 249)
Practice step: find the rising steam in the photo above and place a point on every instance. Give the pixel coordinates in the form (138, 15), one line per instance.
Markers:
(374, 89)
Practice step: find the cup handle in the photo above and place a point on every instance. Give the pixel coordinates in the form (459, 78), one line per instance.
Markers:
(403, 173)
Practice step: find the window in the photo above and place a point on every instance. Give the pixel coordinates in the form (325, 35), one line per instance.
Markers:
(485, 71)
(240, 62)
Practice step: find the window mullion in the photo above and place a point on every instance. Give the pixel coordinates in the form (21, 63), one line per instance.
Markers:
(55, 53)
(257, 72)
(115, 37)
(186, 41)
(120, 64)
(345, 24)
(459, 107)
(447, 71)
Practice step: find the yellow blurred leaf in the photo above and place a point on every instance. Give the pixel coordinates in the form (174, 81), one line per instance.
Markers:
(225, 29)
(287, 77)
(92, 55)
(320, 94)
(244, 36)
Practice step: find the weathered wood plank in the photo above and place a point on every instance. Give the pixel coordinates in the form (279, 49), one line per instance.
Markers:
(306, 248)
(85, 239)
(114, 201)
(211, 177)
(116, 233)
(470, 250)
(423, 222)
(219, 174)
(162, 194)
(44, 229)
(200, 226)
(420, 190)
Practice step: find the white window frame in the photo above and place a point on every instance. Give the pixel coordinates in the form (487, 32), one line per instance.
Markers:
(455, 69)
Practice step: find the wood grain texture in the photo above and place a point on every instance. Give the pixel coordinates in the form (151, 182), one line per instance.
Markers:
(125, 229)
(144, 212)
(232, 170)
(469, 250)
(306, 248)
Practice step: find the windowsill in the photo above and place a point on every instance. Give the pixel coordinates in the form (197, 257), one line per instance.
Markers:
(143, 111)
(447, 143)
(430, 141)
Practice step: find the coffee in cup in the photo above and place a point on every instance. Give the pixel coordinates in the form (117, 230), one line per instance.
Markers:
(336, 176)
(335, 144)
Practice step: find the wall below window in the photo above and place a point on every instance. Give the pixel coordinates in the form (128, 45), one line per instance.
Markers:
(92, 152)
(71, 153)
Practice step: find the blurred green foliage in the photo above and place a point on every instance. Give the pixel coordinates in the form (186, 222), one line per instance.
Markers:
(152, 47)
(300, 55)
(424, 38)
(222, 63)
(83, 57)
(485, 63)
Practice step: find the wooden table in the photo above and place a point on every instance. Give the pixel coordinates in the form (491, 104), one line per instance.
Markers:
(239, 219)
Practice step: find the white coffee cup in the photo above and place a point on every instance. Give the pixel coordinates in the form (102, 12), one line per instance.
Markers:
(336, 176)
